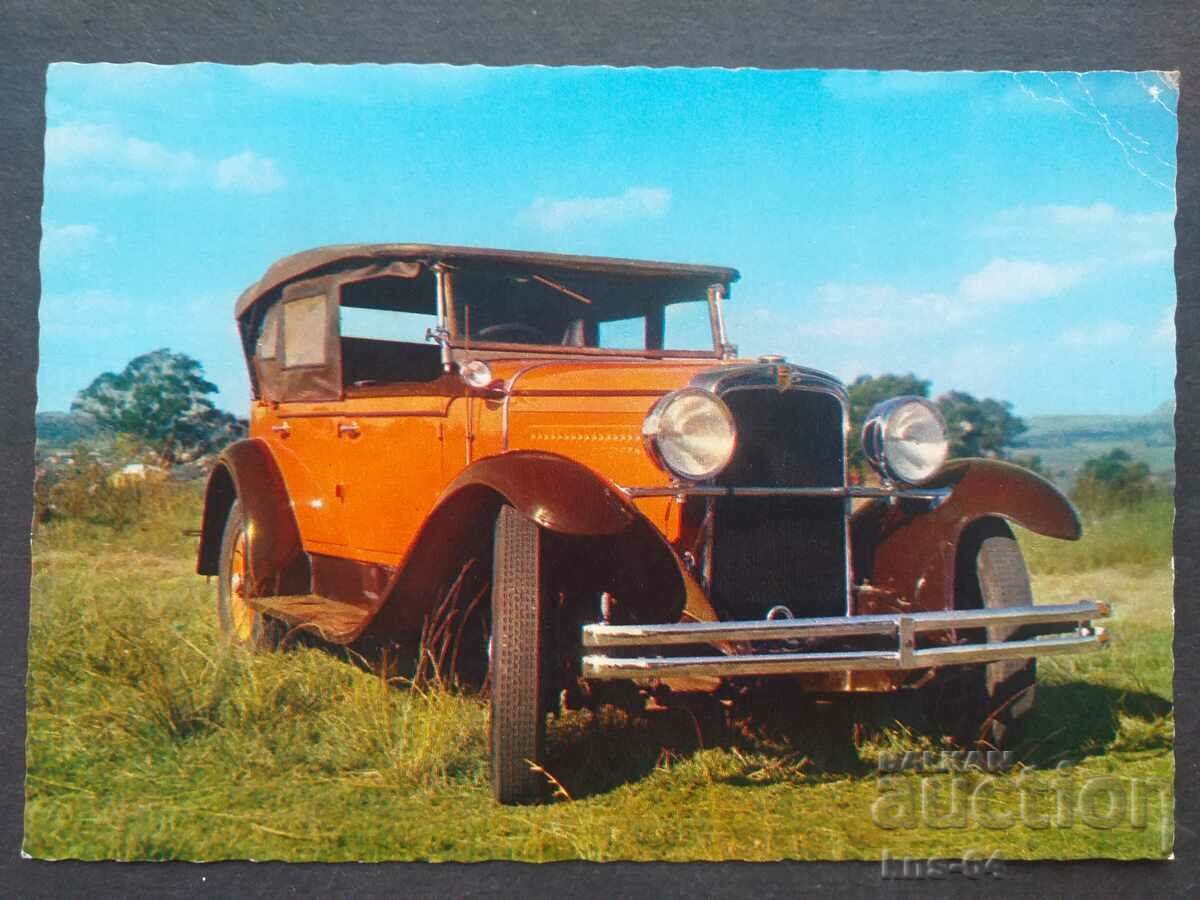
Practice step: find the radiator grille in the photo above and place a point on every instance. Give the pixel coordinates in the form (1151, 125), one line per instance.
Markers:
(788, 550)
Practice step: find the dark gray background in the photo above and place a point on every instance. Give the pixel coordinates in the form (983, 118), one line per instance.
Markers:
(919, 35)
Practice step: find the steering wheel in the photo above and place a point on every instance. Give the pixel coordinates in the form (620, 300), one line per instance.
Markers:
(513, 332)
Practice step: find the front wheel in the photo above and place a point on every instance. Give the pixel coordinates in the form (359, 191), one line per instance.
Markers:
(518, 715)
(981, 704)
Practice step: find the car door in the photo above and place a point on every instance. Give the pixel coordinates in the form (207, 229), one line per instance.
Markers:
(390, 450)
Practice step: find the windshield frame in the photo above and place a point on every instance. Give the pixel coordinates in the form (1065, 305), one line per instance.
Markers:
(455, 343)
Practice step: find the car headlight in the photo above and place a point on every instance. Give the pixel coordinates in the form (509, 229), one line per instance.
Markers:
(905, 439)
(690, 433)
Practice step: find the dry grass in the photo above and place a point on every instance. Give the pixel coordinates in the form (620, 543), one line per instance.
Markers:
(148, 739)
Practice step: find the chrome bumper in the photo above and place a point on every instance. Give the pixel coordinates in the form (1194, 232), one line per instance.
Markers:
(1068, 624)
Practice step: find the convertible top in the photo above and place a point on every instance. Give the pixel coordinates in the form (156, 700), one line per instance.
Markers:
(674, 278)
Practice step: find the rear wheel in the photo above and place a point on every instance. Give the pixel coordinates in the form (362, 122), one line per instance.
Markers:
(241, 624)
(518, 713)
(983, 703)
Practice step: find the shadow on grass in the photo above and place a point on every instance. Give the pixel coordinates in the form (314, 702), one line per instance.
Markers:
(781, 738)
(1075, 720)
(783, 732)
(778, 733)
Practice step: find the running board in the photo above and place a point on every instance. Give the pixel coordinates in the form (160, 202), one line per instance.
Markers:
(330, 620)
(1073, 618)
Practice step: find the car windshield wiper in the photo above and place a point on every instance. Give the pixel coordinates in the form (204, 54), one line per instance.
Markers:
(562, 289)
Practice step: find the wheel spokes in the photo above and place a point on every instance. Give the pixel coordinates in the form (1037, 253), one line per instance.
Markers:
(241, 613)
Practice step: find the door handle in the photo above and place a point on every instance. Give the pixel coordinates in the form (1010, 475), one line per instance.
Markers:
(282, 430)
(348, 428)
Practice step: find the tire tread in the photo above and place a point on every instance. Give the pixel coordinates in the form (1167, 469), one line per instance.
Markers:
(518, 723)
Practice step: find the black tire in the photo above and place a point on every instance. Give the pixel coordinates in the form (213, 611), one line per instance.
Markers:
(518, 715)
(240, 625)
(983, 703)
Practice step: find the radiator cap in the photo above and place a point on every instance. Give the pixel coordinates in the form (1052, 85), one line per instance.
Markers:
(772, 358)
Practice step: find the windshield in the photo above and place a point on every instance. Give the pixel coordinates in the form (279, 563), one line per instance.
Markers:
(530, 308)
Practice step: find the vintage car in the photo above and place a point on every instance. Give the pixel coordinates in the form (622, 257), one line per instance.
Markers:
(552, 475)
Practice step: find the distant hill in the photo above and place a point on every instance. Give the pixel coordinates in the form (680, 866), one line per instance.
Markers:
(1065, 443)
(60, 430)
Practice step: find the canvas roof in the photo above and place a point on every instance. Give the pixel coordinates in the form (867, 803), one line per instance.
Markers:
(672, 277)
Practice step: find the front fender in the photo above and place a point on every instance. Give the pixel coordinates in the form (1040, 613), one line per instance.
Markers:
(908, 550)
(588, 516)
(558, 493)
(247, 471)
(992, 487)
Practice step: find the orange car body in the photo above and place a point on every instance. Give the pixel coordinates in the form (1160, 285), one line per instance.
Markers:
(373, 467)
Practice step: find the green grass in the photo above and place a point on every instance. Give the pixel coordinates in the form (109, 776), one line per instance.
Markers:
(149, 740)
(1137, 537)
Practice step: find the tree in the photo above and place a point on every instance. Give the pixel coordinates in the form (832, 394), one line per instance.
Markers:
(1112, 481)
(979, 427)
(1033, 463)
(161, 400)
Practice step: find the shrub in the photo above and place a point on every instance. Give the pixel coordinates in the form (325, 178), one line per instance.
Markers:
(1113, 482)
(82, 489)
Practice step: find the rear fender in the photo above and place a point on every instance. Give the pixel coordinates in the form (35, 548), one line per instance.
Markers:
(907, 550)
(247, 471)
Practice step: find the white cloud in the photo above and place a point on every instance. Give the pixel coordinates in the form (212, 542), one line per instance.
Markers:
(61, 241)
(636, 203)
(1105, 230)
(1018, 280)
(1099, 334)
(102, 157)
(248, 171)
(94, 315)
(104, 147)
(872, 312)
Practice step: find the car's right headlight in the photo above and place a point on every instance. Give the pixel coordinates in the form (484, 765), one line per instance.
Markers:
(690, 433)
(905, 439)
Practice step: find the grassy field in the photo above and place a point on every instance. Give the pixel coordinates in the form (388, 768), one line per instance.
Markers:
(149, 740)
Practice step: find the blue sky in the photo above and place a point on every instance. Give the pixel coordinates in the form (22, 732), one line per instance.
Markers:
(1006, 234)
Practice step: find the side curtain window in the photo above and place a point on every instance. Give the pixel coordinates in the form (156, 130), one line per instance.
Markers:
(304, 331)
(268, 337)
(309, 359)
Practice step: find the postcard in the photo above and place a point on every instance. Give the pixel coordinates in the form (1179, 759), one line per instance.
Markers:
(464, 463)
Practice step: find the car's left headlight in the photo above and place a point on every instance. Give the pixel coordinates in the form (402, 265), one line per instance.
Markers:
(905, 439)
(690, 433)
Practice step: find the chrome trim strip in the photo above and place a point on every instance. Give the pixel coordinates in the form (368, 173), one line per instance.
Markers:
(716, 314)
(721, 379)
(982, 653)
(603, 667)
(590, 393)
(853, 491)
(508, 393)
(367, 414)
(601, 635)
(442, 333)
(753, 630)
